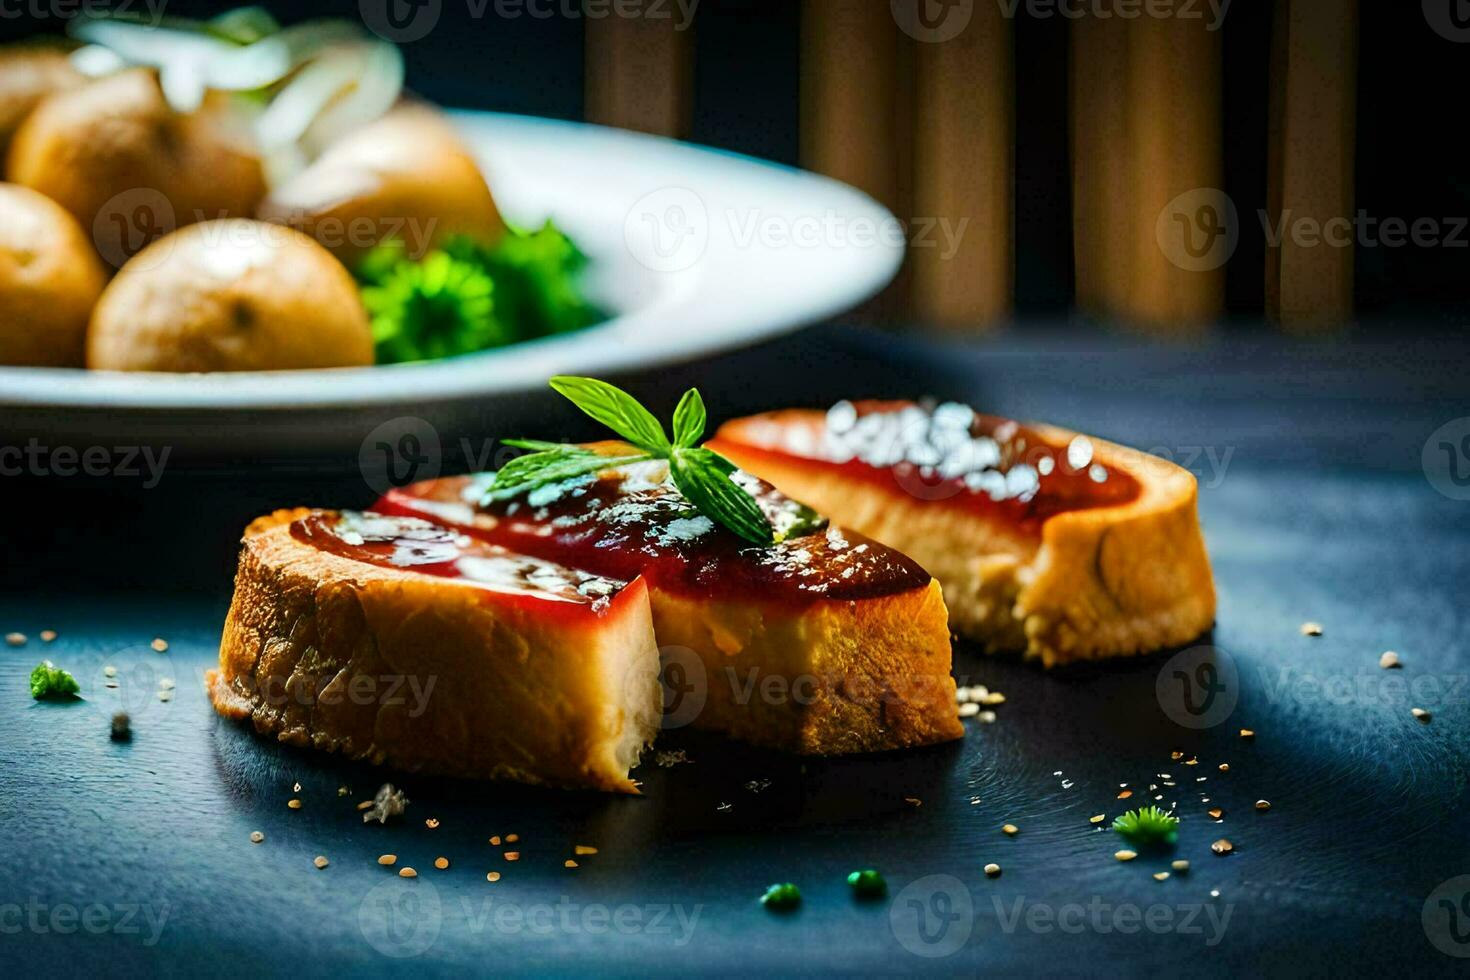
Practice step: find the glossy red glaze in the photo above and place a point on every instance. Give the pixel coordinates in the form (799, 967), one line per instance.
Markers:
(947, 456)
(629, 525)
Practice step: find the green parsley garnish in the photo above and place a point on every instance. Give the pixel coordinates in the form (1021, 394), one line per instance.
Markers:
(50, 682)
(867, 884)
(701, 475)
(1148, 825)
(465, 297)
(782, 898)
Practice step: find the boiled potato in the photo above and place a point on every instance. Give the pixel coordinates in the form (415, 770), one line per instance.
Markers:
(405, 176)
(49, 280)
(231, 295)
(29, 73)
(128, 167)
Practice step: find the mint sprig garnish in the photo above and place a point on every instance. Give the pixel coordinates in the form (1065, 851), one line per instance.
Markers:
(703, 476)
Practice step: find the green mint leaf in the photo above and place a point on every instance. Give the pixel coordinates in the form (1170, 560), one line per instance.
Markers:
(536, 445)
(703, 477)
(49, 681)
(689, 419)
(525, 473)
(616, 409)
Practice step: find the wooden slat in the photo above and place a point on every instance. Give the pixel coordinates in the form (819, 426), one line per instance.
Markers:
(964, 188)
(1100, 178)
(855, 103)
(1310, 171)
(639, 74)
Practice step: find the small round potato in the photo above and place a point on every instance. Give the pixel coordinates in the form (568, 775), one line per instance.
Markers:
(128, 167)
(405, 176)
(231, 295)
(49, 281)
(29, 73)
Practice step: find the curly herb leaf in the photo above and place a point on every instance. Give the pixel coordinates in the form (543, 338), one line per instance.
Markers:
(50, 682)
(1148, 825)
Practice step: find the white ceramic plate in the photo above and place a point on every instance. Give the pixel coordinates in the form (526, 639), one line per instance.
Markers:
(697, 250)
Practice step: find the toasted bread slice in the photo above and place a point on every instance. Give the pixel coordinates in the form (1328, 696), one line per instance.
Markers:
(1046, 541)
(824, 643)
(402, 643)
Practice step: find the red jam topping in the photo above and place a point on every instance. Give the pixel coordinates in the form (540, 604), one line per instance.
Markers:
(415, 545)
(949, 453)
(633, 523)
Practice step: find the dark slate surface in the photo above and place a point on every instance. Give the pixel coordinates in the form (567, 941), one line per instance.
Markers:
(134, 858)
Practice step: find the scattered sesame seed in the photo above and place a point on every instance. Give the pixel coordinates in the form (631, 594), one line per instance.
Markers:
(1161, 875)
(1180, 865)
(441, 863)
(1098, 819)
(296, 788)
(256, 837)
(15, 639)
(992, 870)
(512, 855)
(994, 698)
(1222, 846)
(1125, 794)
(1247, 733)
(492, 876)
(109, 671)
(585, 849)
(1389, 660)
(1311, 629)
(1263, 805)
(407, 873)
(165, 695)
(159, 644)
(1421, 714)
(343, 790)
(512, 838)
(1224, 767)
(1217, 813)
(320, 861)
(166, 684)
(1214, 893)
(495, 840)
(387, 860)
(431, 823)
(969, 709)
(1192, 762)
(294, 804)
(1125, 855)
(569, 863)
(47, 636)
(1011, 829)
(986, 717)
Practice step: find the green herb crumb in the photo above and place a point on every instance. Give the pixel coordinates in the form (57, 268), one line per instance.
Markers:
(49, 681)
(782, 898)
(1148, 825)
(867, 884)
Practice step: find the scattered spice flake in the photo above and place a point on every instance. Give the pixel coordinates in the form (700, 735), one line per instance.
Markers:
(1176, 756)
(1247, 733)
(986, 717)
(668, 758)
(1161, 876)
(47, 636)
(1192, 762)
(969, 709)
(159, 644)
(1311, 629)
(1224, 767)
(407, 873)
(387, 860)
(757, 785)
(1125, 855)
(584, 849)
(512, 838)
(343, 791)
(1216, 813)
(387, 802)
(1222, 846)
(121, 727)
(296, 788)
(1421, 714)
(992, 870)
(492, 876)
(1263, 805)
(1010, 830)
(320, 861)
(109, 671)
(569, 863)
(915, 801)
(724, 807)
(256, 837)
(1389, 660)
(294, 803)
(364, 804)
(441, 863)
(1125, 794)
(1180, 865)
(512, 855)
(15, 639)
(994, 698)
(1099, 818)
(432, 823)
(495, 840)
